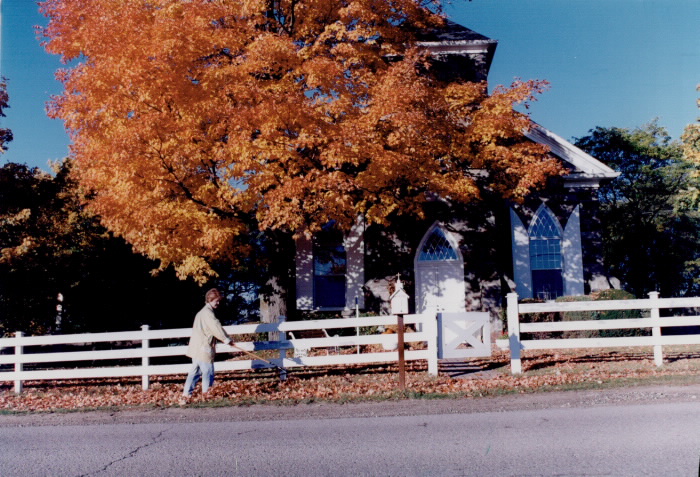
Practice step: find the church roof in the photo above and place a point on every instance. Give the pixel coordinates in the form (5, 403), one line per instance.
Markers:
(453, 38)
(586, 170)
(452, 32)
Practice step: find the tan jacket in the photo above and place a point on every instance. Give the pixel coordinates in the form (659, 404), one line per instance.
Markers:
(205, 331)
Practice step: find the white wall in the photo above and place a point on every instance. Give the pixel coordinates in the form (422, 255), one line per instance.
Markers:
(355, 277)
(305, 273)
(521, 256)
(572, 255)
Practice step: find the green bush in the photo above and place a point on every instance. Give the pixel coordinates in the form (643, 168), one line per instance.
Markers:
(578, 316)
(611, 294)
(539, 318)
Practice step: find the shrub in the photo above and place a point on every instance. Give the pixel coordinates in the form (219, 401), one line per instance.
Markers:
(539, 318)
(578, 316)
(611, 294)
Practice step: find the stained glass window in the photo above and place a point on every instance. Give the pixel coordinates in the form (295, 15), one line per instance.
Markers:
(437, 247)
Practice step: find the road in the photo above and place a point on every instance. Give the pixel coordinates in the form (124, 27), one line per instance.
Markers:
(624, 432)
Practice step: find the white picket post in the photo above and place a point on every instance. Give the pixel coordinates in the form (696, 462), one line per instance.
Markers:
(145, 380)
(19, 367)
(656, 329)
(430, 327)
(514, 333)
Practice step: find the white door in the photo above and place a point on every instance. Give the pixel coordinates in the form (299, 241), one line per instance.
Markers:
(439, 269)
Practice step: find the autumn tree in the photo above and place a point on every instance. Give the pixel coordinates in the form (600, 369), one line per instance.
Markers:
(195, 124)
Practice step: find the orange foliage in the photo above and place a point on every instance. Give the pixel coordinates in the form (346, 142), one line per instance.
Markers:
(193, 121)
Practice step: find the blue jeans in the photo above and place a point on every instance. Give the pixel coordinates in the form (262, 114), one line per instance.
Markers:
(202, 369)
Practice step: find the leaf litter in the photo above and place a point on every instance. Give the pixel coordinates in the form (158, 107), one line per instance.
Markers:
(485, 376)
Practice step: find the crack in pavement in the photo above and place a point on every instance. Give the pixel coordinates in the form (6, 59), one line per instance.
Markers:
(131, 454)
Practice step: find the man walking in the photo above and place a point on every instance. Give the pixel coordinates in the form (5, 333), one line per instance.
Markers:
(202, 347)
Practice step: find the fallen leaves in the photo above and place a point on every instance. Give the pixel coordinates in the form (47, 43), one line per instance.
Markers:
(487, 376)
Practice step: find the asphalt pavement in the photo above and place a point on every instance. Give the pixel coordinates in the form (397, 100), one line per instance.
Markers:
(637, 431)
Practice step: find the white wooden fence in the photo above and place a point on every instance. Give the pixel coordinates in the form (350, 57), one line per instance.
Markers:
(141, 346)
(654, 304)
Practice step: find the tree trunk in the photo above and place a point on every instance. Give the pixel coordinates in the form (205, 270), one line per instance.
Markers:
(273, 302)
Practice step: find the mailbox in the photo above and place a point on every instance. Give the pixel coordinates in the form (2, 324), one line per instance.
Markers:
(399, 300)
(399, 307)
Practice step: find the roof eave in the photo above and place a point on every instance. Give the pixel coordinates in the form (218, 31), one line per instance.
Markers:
(582, 180)
(587, 166)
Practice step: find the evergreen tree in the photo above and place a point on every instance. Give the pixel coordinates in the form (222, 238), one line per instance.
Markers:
(650, 242)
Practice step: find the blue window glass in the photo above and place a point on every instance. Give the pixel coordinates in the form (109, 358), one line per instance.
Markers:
(330, 266)
(547, 284)
(437, 247)
(545, 256)
(545, 242)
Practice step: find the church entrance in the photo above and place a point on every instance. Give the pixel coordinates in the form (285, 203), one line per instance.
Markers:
(439, 271)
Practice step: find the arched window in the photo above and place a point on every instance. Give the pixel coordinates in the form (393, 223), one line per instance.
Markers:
(545, 255)
(437, 247)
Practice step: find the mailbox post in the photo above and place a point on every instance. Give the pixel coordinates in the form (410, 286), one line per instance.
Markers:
(399, 307)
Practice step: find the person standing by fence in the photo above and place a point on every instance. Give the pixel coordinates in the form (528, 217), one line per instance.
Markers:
(202, 346)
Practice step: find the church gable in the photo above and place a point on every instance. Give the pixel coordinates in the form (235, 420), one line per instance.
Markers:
(458, 53)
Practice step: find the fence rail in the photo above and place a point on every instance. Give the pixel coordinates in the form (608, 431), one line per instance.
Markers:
(655, 322)
(146, 344)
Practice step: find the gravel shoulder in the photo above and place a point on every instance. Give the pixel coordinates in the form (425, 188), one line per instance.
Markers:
(411, 407)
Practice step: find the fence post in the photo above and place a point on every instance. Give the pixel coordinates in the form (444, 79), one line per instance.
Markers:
(19, 366)
(514, 333)
(145, 362)
(430, 327)
(656, 329)
(282, 337)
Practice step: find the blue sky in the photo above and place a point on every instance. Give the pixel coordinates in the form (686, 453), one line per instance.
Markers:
(610, 63)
